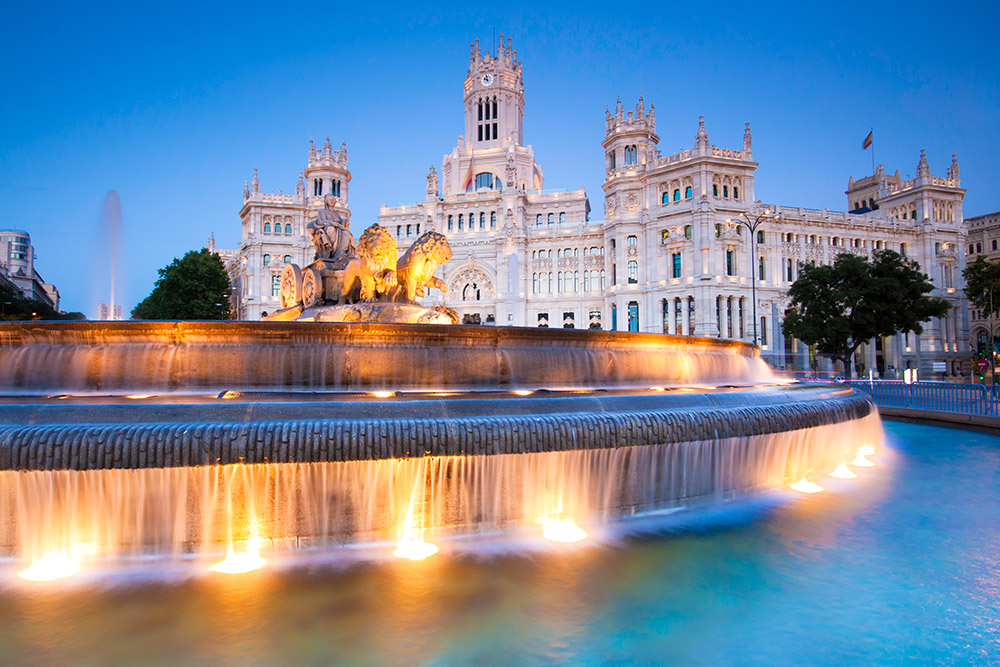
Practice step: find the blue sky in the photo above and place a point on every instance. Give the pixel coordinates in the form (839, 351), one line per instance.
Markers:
(173, 106)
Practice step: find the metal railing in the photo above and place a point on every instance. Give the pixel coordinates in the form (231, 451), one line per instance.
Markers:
(972, 399)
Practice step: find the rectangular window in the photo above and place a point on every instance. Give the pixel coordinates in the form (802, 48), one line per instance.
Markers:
(276, 285)
(451, 223)
(676, 260)
(633, 316)
(730, 263)
(763, 330)
(760, 269)
(788, 269)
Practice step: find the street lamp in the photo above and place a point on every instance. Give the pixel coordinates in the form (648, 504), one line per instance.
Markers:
(752, 222)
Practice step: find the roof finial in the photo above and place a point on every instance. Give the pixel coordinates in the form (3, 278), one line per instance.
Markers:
(747, 139)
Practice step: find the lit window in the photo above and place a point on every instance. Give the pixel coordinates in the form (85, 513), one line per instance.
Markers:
(688, 231)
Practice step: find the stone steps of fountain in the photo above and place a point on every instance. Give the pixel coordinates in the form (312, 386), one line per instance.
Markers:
(81, 437)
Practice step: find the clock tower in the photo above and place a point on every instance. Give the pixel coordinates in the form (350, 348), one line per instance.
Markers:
(494, 98)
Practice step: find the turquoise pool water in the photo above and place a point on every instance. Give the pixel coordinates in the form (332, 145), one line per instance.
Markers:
(900, 566)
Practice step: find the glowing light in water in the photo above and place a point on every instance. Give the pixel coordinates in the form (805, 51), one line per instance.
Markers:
(238, 562)
(860, 459)
(54, 565)
(411, 543)
(138, 397)
(383, 394)
(657, 389)
(805, 486)
(843, 472)
(522, 392)
(562, 529)
(867, 450)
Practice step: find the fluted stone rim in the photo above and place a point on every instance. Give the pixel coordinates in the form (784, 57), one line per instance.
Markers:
(173, 444)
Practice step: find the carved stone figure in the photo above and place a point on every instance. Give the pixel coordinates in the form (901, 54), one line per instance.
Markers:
(432, 182)
(330, 233)
(373, 271)
(415, 269)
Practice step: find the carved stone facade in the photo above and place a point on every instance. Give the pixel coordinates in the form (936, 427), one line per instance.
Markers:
(665, 259)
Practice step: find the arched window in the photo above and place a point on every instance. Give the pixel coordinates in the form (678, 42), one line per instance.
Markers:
(633, 272)
(267, 260)
(725, 192)
(562, 218)
(267, 227)
(461, 222)
(688, 192)
(399, 231)
(538, 220)
(409, 230)
(665, 197)
(631, 241)
(482, 221)
(484, 179)
(451, 223)
(551, 218)
(493, 219)
(631, 155)
(677, 194)
(715, 189)
(288, 228)
(760, 236)
(736, 192)
(287, 259)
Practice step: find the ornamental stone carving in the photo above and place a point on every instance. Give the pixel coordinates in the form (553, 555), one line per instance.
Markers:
(473, 275)
(631, 201)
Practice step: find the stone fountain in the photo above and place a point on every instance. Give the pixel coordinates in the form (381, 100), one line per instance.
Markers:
(176, 439)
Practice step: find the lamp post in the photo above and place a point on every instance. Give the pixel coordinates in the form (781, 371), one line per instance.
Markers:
(752, 222)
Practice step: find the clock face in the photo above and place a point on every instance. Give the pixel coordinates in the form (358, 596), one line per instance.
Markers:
(487, 79)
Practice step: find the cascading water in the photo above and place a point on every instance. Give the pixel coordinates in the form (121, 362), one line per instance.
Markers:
(244, 475)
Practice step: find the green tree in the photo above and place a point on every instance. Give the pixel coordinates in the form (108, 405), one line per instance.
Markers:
(194, 287)
(982, 284)
(838, 307)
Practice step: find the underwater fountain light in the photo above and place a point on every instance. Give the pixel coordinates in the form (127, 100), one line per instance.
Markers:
(843, 472)
(53, 565)
(383, 394)
(867, 450)
(240, 562)
(522, 392)
(562, 529)
(805, 486)
(860, 459)
(414, 549)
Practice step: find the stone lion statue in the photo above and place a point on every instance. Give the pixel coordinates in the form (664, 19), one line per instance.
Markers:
(415, 269)
(373, 270)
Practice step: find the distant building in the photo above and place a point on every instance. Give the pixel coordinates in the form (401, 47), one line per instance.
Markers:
(106, 312)
(983, 238)
(18, 257)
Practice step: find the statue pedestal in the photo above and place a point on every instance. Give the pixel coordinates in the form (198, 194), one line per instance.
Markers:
(401, 313)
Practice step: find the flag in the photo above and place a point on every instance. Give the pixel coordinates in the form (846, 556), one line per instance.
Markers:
(867, 142)
(467, 181)
(537, 177)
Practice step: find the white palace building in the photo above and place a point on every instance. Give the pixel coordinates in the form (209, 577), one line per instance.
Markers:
(664, 259)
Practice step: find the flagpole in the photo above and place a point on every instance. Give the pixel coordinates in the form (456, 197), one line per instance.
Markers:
(872, 131)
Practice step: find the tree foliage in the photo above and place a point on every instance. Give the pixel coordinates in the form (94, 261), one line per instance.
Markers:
(982, 284)
(194, 287)
(838, 307)
(17, 307)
